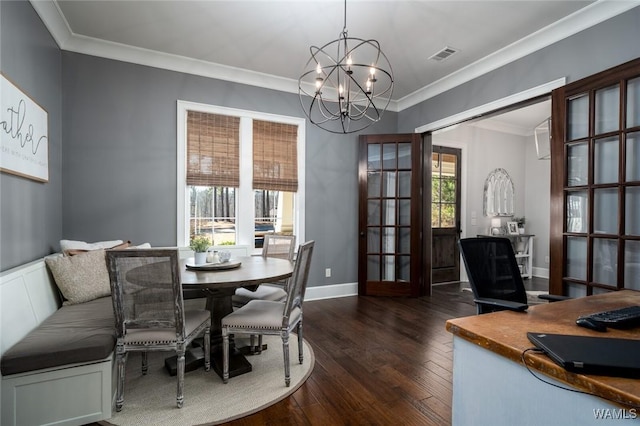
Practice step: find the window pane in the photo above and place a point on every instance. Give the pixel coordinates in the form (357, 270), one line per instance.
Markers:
(389, 156)
(389, 212)
(373, 240)
(577, 164)
(633, 156)
(388, 240)
(606, 160)
(605, 261)
(632, 265)
(435, 215)
(577, 207)
(404, 184)
(388, 268)
(605, 211)
(212, 213)
(373, 184)
(576, 258)
(632, 211)
(373, 157)
(373, 212)
(633, 102)
(405, 212)
(404, 268)
(388, 184)
(404, 240)
(607, 109)
(448, 216)
(435, 189)
(578, 118)
(404, 156)
(373, 268)
(274, 213)
(448, 190)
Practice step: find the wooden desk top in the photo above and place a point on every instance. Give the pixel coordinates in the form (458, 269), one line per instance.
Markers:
(505, 333)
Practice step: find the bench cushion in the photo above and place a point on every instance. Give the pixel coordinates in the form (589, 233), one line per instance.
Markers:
(73, 334)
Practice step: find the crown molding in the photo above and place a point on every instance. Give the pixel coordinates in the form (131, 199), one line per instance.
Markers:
(57, 25)
(578, 21)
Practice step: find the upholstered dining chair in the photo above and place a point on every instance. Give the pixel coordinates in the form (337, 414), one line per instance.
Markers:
(260, 317)
(148, 305)
(281, 246)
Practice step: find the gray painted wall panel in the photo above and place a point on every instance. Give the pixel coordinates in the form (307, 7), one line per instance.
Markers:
(120, 158)
(30, 211)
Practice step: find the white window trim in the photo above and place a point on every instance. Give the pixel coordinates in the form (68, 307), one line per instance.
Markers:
(244, 215)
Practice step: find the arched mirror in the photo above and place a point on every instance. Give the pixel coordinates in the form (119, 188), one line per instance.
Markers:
(498, 194)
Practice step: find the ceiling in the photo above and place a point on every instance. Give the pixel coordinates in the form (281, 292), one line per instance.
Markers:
(266, 43)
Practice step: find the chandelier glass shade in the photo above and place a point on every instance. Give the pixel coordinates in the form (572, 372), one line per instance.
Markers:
(346, 85)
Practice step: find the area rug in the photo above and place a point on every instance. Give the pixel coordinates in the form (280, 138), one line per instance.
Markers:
(151, 399)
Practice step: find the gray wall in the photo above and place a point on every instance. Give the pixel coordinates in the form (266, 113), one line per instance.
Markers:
(30, 211)
(119, 153)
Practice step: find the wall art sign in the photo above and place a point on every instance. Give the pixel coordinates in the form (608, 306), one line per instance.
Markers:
(24, 134)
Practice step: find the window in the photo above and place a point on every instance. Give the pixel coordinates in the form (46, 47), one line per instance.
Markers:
(240, 175)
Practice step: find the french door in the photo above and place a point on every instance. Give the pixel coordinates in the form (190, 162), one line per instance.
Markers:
(445, 214)
(595, 183)
(392, 260)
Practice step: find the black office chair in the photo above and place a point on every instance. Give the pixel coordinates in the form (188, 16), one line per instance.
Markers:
(494, 275)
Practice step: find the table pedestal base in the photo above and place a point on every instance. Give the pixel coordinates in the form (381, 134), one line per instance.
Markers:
(193, 359)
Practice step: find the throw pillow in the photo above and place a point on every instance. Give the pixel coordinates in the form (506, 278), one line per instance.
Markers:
(81, 278)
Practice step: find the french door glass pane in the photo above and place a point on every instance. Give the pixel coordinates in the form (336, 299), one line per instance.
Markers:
(389, 212)
(605, 211)
(373, 157)
(373, 212)
(606, 160)
(447, 215)
(435, 215)
(404, 184)
(577, 211)
(578, 118)
(373, 240)
(607, 109)
(577, 258)
(405, 212)
(577, 164)
(404, 240)
(373, 184)
(633, 156)
(404, 268)
(632, 265)
(605, 261)
(388, 240)
(389, 156)
(632, 211)
(388, 184)
(633, 102)
(389, 268)
(404, 155)
(373, 268)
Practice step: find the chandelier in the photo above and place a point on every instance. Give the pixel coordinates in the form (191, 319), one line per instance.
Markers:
(347, 84)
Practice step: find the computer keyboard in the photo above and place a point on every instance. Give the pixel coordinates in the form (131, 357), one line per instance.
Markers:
(618, 318)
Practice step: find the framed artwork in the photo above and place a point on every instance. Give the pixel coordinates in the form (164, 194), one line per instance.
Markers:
(24, 134)
(512, 228)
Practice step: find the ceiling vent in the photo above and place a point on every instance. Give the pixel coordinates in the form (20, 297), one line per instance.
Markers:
(443, 54)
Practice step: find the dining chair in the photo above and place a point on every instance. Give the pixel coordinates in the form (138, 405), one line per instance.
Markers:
(148, 305)
(268, 317)
(280, 246)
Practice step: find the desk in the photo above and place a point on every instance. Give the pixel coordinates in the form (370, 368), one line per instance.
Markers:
(491, 386)
(220, 286)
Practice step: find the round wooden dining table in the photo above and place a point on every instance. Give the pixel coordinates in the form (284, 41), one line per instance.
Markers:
(218, 285)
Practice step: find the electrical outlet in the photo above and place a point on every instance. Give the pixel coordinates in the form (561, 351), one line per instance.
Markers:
(327, 272)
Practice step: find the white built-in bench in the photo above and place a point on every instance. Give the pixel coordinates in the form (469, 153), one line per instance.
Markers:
(71, 394)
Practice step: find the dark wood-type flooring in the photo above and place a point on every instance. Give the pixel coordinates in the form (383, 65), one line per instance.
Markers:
(379, 361)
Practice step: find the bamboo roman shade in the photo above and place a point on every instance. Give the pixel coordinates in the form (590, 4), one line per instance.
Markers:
(213, 149)
(275, 158)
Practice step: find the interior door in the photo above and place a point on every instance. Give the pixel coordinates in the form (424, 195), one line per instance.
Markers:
(445, 214)
(391, 205)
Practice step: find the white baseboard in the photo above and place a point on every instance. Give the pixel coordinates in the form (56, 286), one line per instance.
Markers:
(540, 272)
(331, 291)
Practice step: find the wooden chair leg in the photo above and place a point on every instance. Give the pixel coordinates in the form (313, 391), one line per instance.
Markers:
(300, 350)
(145, 363)
(285, 351)
(121, 360)
(180, 373)
(207, 349)
(225, 355)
